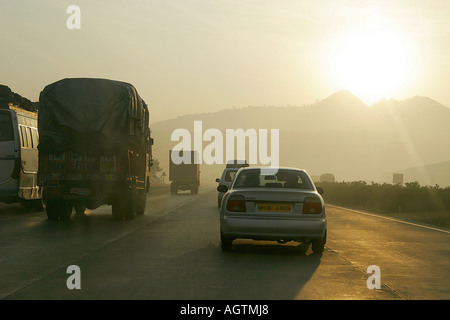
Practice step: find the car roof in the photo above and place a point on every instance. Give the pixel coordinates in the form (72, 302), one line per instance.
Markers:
(230, 169)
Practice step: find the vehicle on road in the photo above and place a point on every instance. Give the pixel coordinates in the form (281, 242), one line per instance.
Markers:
(266, 205)
(95, 147)
(227, 176)
(18, 151)
(185, 173)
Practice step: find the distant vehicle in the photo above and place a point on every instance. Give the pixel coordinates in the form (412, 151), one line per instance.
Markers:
(237, 164)
(227, 176)
(184, 176)
(95, 147)
(285, 206)
(19, 139)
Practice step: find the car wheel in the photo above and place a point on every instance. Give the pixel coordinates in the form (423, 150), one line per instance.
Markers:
(226, 243)
(318, 245)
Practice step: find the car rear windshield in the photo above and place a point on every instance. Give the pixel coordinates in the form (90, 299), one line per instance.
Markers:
(284, 178)
(6, 129)
(229, 175)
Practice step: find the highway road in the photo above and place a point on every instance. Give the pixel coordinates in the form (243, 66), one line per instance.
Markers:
(173, 252)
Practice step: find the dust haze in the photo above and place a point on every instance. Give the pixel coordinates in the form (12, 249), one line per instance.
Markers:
(340, 135)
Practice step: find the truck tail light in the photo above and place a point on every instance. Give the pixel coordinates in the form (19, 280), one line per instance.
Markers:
(312, 205)
(236, 204)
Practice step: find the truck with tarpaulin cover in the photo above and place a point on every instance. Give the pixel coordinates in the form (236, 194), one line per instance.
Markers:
(95, 147)
(184, 171)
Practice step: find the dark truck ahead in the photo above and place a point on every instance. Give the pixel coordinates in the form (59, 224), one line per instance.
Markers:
(184, 175)
(95, 147)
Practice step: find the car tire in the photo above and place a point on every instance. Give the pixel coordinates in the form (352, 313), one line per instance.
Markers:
(318, 246)
(226, 243)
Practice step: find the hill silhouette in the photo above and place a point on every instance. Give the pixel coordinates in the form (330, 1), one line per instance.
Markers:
(339, 134)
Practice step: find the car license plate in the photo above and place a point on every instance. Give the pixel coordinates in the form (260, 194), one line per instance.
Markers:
(274, 207)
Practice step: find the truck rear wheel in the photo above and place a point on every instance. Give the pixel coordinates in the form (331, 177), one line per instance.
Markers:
(194, 190)
(65, 211)
(125, 206)
(39, 204)
(173, 188)
(52, 209)
(79, 208)
(117, 209)
(130, 204)
(57, 208)
(141, 203)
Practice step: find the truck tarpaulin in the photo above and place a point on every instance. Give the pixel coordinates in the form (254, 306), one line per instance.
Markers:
(90, 116)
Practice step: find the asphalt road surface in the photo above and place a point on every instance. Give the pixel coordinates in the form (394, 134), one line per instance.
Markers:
(173, 252)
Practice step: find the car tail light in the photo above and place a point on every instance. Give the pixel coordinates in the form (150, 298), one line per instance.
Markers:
(236, 204)
(312, 205)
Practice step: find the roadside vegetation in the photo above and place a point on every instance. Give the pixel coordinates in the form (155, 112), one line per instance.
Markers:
(411, 201)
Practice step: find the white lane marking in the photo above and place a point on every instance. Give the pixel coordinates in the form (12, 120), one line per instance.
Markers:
(391, 219)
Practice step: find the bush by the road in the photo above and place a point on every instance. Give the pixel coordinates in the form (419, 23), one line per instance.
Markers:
(387, 198)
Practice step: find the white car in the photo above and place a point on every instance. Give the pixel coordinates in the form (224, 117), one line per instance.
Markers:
(282, 206)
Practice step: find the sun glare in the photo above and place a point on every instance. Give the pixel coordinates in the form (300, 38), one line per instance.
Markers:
(372, 65)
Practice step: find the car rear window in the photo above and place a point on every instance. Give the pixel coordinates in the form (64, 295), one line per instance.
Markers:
(229, 175)
(6, 129)
(284, 178)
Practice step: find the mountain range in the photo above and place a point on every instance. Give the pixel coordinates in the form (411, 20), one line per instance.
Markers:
(339, 134)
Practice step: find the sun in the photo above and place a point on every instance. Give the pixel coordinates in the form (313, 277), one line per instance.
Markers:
(372, 65)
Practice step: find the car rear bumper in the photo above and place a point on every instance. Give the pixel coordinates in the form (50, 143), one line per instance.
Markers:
(300, 229)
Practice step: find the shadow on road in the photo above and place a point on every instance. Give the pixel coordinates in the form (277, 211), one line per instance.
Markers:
(262, 271)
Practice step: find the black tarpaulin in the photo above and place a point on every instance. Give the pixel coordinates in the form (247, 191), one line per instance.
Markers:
(90, 115)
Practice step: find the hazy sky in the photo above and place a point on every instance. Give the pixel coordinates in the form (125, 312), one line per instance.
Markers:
(189, 56)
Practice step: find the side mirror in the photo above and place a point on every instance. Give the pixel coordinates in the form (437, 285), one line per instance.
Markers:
(320, 190)
(222, 188)
(217, 180)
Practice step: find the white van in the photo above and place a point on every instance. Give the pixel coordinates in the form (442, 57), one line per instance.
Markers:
(19, 157)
